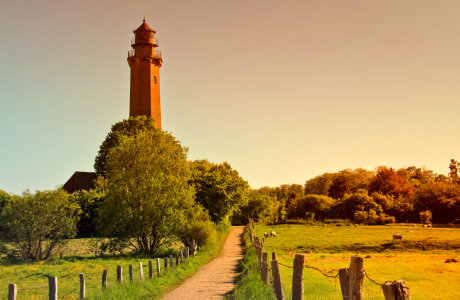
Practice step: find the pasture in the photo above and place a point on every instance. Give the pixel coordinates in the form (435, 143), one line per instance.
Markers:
(419, 259)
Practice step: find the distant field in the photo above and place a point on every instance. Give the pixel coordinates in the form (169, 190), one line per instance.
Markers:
(419, 259)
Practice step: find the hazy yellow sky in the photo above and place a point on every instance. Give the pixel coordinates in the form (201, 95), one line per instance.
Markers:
(282, 90)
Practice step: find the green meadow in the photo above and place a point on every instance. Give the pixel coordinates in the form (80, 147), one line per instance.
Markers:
(419, 259)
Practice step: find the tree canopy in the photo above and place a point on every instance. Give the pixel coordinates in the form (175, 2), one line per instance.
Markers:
(147, 191)
(124, 128)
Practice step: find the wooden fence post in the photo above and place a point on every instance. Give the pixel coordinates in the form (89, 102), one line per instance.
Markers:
(177, 258)
(181, 256)
(53, 288)
(187, 252)
(171, 261)
(356, 278)
(277, 284)
(12, 291)
(131, 273)
(150, 269)
(166, 262)
(297, 277)
(344, 278)
(158, 267)
(264, 268)
(273, 255)
(104, 279)
(141, 272)
(119, 274)
(60, 255)
(396, 290)
(82, 286)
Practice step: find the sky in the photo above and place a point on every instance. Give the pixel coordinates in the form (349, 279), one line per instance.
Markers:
(282, 90)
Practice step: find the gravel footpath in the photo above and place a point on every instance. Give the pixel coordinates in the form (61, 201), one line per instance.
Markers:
(216, 278)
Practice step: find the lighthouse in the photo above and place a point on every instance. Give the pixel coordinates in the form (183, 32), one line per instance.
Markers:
(145, 62)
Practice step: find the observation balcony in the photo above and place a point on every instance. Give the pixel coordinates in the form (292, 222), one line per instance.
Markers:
(132, 53)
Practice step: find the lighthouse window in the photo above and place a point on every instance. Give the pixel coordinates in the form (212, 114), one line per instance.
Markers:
(154, 79)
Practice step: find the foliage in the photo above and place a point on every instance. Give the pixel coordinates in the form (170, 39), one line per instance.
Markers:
(320, 184)
(425, 217)
(388, 182)
(260, 207)
(147, 192)
(199, 227)
(37, 223)
(89, 204)
(454, 171)
(349, 181)
(441, 198)
(219, 188)
(318, 205)
(128, 127)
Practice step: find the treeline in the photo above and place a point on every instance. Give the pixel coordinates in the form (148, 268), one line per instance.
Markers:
(382, 196)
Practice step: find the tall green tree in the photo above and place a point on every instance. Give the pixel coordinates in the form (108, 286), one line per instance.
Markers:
(320, 184)
(128, 127)
(37, 223)
(147, 191)
(219, 188)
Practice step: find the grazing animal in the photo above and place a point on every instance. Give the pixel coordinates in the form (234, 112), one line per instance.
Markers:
(266, 234)
(424, 226)
(325, 225)
(451, 225)
(409, 231)
(429, 225)
(415, 225)
(397, 237)
(356, 225)
(272, 233)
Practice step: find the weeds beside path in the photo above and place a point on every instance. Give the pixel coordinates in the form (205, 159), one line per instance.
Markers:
(216, 278)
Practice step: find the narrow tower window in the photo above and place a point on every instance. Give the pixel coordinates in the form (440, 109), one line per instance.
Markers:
(154, 79)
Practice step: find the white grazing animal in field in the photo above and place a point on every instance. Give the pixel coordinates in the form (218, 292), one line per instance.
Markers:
(409, 231)
(356, 225)
(424, 226)
(266, 234)
(397, 237)
(272, 233)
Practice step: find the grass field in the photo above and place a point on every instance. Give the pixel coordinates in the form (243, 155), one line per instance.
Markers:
(32, 277)
(419, 259)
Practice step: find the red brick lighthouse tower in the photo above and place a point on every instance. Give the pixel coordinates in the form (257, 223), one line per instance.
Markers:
(145, 63)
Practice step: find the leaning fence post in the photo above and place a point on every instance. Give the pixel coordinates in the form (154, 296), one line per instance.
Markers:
(158, 267)
(141, 272)
(12, 291)
(53, 288)
(396, 290)
(277, 279)
(344, 278)
(104, 279)
(297, 277)
(150, 269)
(82, 286)
(119, 274)
(170, 261)
(356, 279)
(131, 272)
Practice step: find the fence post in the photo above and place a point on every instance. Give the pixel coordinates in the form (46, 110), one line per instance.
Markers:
(181, 256)
(277, 279)
(53, 288)
(264, 267)
(131, 272)
(171, 261)
(273, 255)
(141, 271)
(344, 278)
(177, 259)
(12, 291)
(297, 277)
(150, 269)
(158, 267)
(82, 286)
(187, 252)
(356, 278)
(166, 262)
(396, 290)
(60, 255)
(104, 279)
(119, 274)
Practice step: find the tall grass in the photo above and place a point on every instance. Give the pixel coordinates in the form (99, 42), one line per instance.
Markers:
(249, 284)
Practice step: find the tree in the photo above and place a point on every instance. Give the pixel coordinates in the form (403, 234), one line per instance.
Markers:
(147, 191)
(128, 127)
(389, 182)
(260, 207)
(454, 170)
(219, 188)
(89, 202)
(441, 198)
(318, 205)
(37, 223)
(425, 217)
(320, 184)
(349, 181)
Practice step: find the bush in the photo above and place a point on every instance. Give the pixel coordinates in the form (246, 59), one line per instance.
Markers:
(199, 227)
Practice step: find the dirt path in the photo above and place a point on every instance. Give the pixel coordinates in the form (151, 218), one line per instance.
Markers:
(215, 279)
